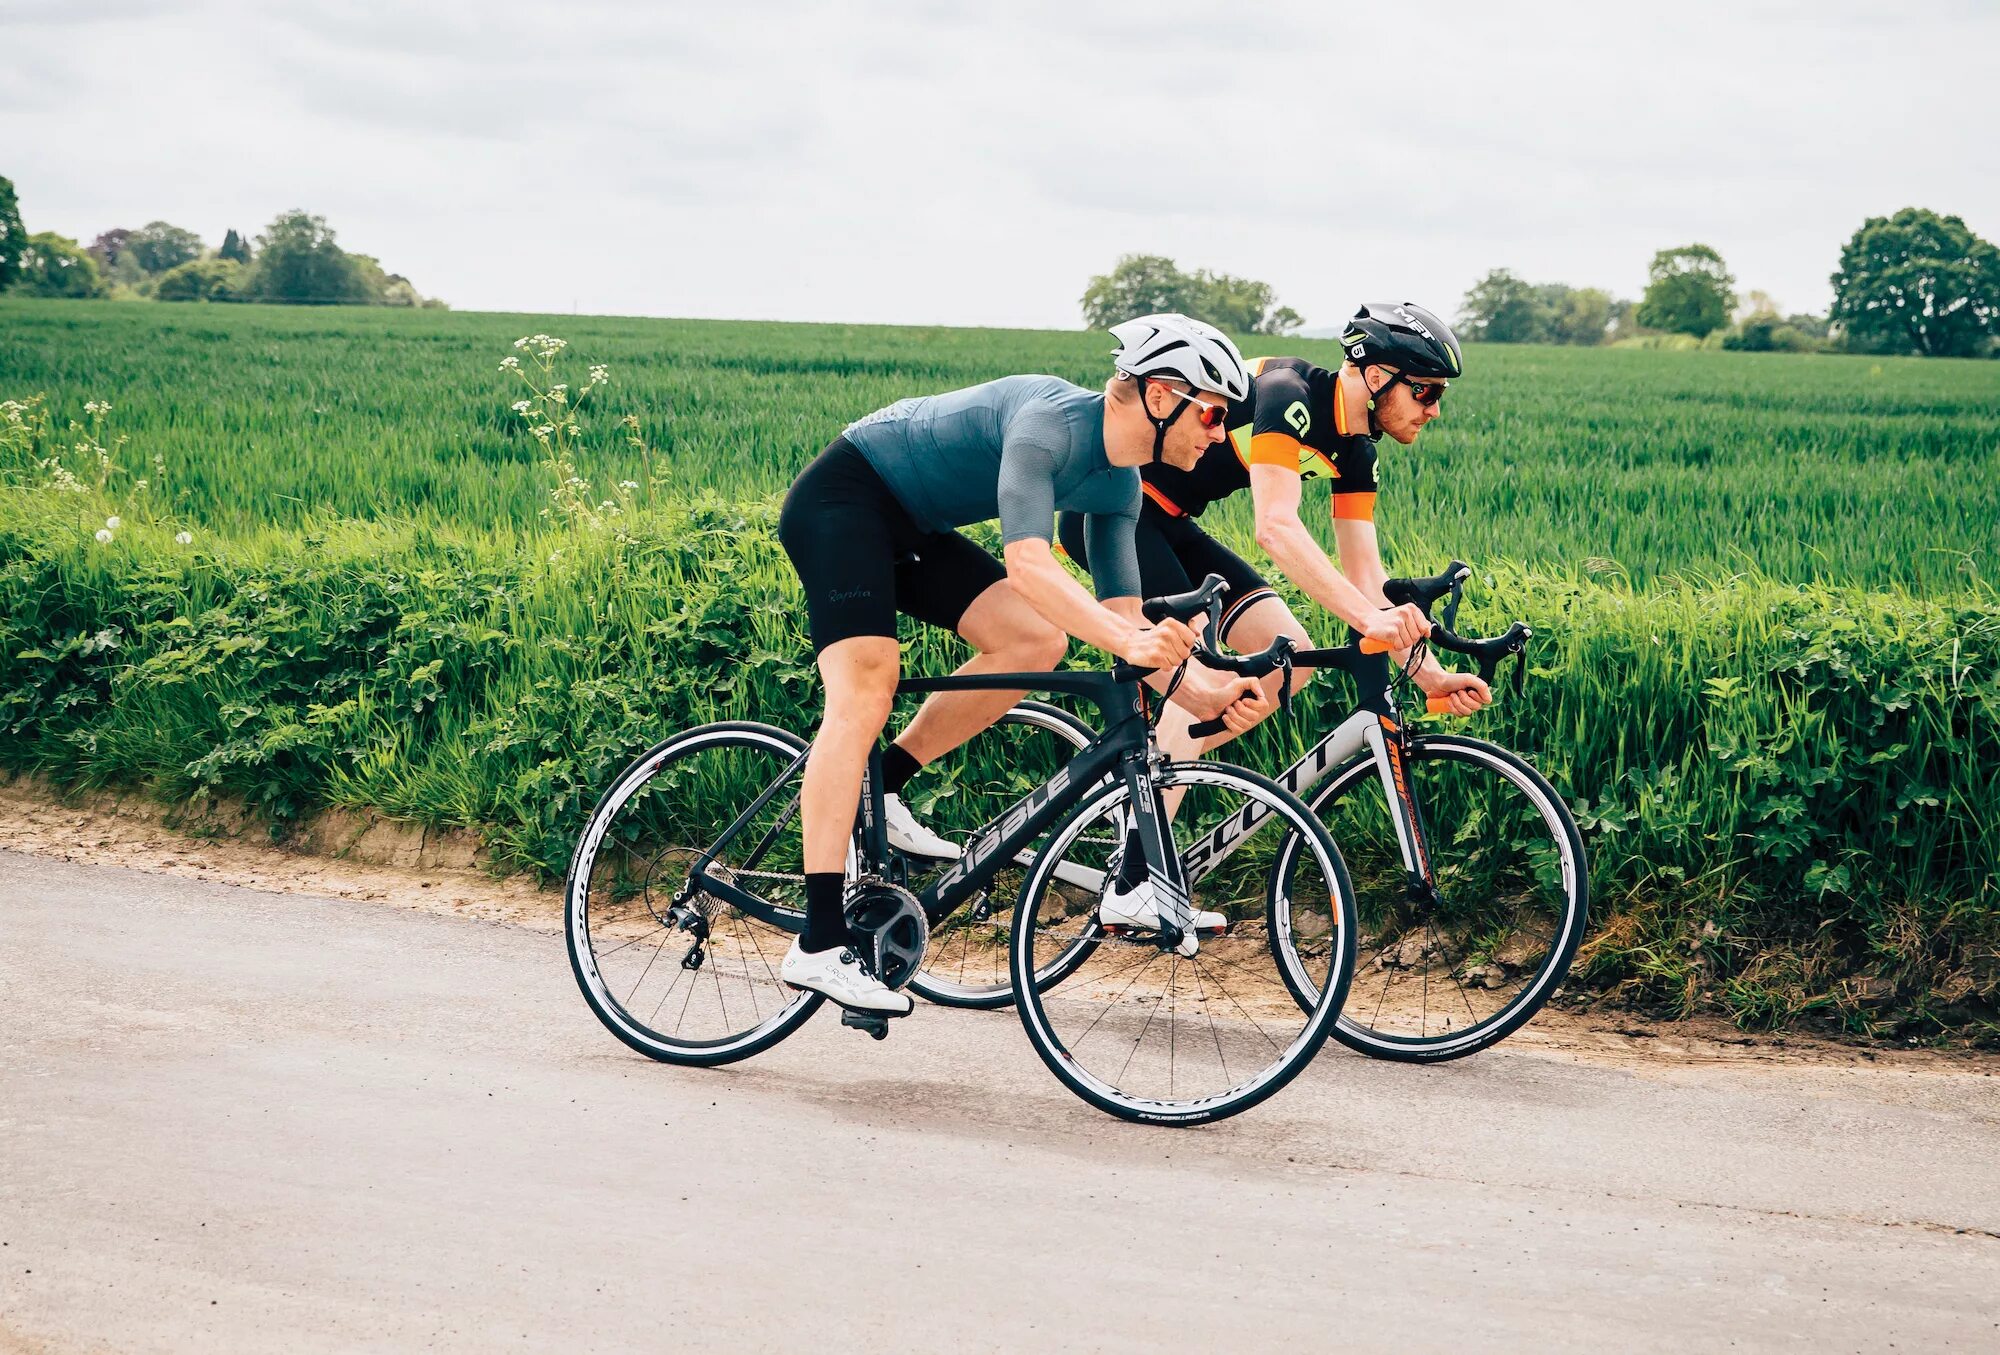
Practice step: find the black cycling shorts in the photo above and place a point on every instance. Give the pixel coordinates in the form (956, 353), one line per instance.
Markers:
(1175, 554)
(863, 558)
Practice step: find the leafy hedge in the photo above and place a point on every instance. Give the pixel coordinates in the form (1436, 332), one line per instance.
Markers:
(1791, 795)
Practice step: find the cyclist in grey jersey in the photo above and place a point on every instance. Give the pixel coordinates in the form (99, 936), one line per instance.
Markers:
(869, 527)
(1018, 449)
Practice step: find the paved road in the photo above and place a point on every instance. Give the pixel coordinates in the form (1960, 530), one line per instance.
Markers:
(232, 1120)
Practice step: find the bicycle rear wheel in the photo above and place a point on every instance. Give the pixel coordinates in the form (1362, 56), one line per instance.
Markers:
(1145, 1033)
(682, 975)
(1442, 977)
(966, 965)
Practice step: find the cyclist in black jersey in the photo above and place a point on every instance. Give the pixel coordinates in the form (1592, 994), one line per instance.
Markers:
(1304, 421)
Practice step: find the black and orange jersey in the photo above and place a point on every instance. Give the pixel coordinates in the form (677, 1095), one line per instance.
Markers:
(1292, 418)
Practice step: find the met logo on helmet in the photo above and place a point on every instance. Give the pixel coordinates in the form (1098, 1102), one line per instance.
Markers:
(1414, 323)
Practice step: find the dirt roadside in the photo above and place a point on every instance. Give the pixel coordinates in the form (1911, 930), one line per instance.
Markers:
(367, 857)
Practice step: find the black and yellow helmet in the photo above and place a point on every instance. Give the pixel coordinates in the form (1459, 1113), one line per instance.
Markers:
(1403, 335)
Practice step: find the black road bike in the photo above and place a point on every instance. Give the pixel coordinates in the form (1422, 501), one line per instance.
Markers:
(686, 891)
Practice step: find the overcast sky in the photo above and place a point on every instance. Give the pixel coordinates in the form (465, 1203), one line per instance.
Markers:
(975, 163)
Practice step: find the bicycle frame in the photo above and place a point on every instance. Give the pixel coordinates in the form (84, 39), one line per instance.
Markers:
(1125, 748)
(1374, 729)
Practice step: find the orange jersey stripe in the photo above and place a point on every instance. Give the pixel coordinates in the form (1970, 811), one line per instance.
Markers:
(1274, 449)
(1166, 504)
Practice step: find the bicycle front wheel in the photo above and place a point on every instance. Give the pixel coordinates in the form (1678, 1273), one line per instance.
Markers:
(1145, 1033)
(678, 973)
(1446, 972)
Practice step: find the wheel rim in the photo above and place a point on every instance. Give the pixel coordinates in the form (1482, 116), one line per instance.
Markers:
(631, 949)
(1477, 962)
(1157, 1036)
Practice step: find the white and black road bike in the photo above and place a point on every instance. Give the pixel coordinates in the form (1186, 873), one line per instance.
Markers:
(1470, 884)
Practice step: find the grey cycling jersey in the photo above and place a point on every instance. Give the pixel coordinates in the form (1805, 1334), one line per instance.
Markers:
(1017, 449)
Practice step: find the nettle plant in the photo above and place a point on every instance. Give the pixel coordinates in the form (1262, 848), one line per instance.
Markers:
(83, 463)
(552, 413)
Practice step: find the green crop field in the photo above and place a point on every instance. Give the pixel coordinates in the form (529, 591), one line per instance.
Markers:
(1846, 470)
(1762, 587)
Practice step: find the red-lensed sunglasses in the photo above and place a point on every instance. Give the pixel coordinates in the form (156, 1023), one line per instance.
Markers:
(1207, 413)
(1423, 392)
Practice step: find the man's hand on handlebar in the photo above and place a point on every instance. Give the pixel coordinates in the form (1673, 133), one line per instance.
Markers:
(1397, 627)
(1239, 702)
(1464, 691)
(1166, 645)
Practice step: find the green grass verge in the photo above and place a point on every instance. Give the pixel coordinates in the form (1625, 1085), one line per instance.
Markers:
(1786, 790)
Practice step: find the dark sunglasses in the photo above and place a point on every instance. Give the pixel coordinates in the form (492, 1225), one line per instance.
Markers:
(1423, 392)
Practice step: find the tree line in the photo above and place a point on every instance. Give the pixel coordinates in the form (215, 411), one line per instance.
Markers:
(1915, 282)
(1912, 283)
(295, 261)
(1149, 284)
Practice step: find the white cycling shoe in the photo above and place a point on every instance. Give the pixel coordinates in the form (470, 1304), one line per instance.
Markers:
(838, 974)
(1139, 908)
(908, 836)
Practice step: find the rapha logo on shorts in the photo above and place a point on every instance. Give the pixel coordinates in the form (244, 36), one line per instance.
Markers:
(848, 594)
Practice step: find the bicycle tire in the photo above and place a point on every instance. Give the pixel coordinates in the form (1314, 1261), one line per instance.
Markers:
(1357, 1029)
(587, 964)
(1061, 1054)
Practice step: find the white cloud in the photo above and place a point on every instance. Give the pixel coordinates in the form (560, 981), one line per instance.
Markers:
(941, 162)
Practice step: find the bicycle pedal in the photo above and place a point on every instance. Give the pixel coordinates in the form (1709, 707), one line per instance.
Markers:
(876, 1026)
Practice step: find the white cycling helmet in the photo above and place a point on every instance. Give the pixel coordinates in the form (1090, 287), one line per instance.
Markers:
(1182, 349)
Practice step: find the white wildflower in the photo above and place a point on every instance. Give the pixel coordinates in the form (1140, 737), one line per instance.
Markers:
(510, 364)
(522, 406)
(104, 535)
(628, 484)
(184, 538)
(599, 373)
(113, 523)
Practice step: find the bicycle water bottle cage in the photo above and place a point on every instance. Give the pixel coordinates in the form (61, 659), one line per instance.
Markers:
(889, 928)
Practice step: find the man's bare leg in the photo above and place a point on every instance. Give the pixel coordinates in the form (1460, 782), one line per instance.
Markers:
(859, 676)
(1011, 637)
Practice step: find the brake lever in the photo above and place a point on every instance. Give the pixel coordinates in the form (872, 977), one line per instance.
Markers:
(1520, 670)
(1459, 574)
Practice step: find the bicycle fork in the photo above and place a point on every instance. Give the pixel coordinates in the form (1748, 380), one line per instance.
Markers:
(1388, 741)
(1164, 866)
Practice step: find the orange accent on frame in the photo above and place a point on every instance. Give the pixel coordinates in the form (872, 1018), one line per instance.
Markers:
(1167, 505)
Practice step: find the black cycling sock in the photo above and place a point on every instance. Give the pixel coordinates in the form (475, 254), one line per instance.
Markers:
(826, 918)
(897, 769)
(1132, 870)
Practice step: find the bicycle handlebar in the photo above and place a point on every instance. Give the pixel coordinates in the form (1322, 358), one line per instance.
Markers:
(1447, 587)
(1185, 607)
(1424, 594)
